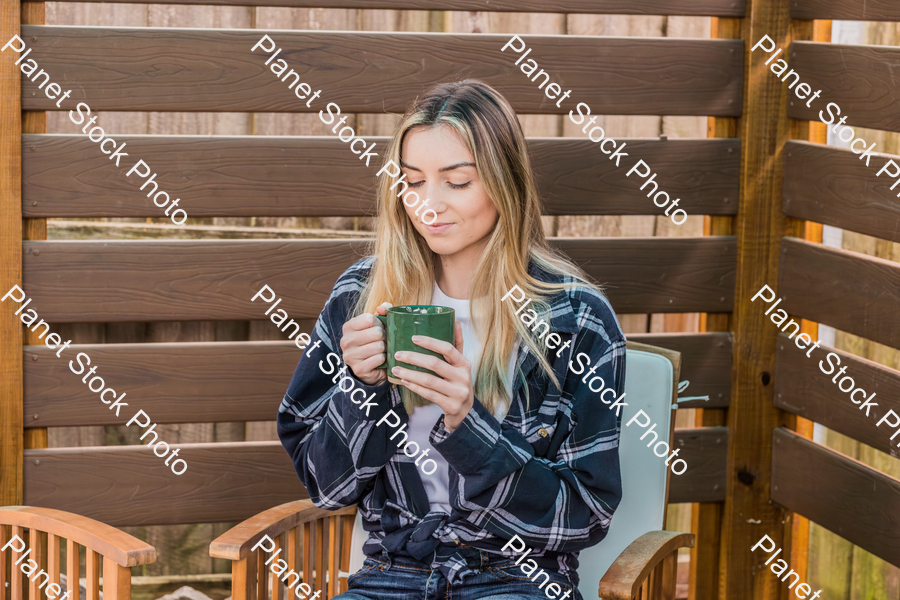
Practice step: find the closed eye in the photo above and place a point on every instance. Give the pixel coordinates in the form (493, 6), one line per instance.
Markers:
(460, 186)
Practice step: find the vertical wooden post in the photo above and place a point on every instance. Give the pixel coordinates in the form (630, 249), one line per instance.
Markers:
(34, 13)
(706, 517)
(748, 513)
(10, 262)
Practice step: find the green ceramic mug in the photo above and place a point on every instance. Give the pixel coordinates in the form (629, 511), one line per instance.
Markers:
(403, 322)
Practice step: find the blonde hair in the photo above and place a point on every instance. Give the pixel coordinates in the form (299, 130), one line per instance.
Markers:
(403, 269)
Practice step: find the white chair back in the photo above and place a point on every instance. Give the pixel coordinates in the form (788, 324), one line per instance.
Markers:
(649, 386)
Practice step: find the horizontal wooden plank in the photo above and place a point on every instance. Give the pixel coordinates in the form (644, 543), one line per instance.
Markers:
(860, 79)
(705, 362)
(802, 388)
(853, 292)
(839, 493)
(174, 383)
(129, 485)
(68, 176)
(112, 281)
(850, 10)
(713, 8)
(705, 450)
(172, 69)
(832, 186)
(215, 382)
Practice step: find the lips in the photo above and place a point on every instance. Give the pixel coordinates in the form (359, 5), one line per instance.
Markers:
(438, 228)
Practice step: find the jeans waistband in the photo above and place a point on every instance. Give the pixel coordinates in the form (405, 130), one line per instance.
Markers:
(476, 558)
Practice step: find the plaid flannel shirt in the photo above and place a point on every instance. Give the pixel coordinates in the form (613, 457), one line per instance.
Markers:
(548, 473)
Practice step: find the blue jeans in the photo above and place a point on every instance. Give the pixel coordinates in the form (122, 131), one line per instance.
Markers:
(401, 578)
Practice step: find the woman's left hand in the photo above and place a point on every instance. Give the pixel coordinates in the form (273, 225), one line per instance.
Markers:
(452, 389)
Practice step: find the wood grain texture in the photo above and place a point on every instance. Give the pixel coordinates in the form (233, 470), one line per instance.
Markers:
(851, 10)
(839, 493)
(183, 280)
(853, 292)
(759, 226)
(803, 389)
(128, 485)
(832, 186)
(10, 263)
(860, 79)
(68, 176)
(725, 8)
(122, 548)
(192, 382)
(705, 362)
(704, 449)
(245, 381)
(169, 69)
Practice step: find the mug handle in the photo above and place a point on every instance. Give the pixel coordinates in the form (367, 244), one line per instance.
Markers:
(383, 319)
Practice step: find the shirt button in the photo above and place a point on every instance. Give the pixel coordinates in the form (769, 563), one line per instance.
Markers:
(542, 432)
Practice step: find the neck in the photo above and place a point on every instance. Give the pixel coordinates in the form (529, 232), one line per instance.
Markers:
(454, 272)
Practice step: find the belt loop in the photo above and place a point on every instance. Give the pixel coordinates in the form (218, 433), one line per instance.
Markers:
(387, 558)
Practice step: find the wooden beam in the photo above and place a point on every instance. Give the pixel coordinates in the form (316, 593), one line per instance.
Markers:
(171, 69)
(841, 494)
(725, 8)
(759, 226)
(849, 10)
(10, 263)
(858, 78)
(138, 281)
(816, 281)
(705, 451)
(832, 186)
(706, 517)
(129, 485)
(67, 176)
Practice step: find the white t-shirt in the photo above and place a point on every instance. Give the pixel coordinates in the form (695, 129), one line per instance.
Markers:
(421, 422)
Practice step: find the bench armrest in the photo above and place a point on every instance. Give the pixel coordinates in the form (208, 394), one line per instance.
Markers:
(120, 547)
(235, 543)
(626, 575)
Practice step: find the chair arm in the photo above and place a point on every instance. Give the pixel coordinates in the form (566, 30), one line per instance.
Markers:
(235, 543)
(112, 543)
(626, 575)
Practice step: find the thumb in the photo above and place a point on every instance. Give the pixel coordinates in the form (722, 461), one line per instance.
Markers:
(383, 308)
(458, 336)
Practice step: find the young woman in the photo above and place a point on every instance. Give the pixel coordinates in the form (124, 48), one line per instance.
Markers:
(527, 454)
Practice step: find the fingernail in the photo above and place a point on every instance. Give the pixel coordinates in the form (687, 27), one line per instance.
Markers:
(416, 338)
(399, 355)
(394, 370)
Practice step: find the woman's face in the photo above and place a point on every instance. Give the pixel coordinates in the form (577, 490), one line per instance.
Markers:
(441, 170)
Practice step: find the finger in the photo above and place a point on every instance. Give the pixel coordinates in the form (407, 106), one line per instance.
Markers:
(364, 353)
(445, 349)
(382, 308)
(432, 363)
(425, 381)
(426, 393)
(371, 364)
(363, 321)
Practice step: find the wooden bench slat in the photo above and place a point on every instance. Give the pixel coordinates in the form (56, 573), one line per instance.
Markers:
(173, 69)
(803, 389)
(182, 280)
(68, 176)
(853, 292)
(860, 79)
(832, 186)
(712, 8)
(839, 493)
(211, 382)
(850, 10)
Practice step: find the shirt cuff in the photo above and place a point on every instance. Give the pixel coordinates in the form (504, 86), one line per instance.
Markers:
(468, 447)
(371, 402)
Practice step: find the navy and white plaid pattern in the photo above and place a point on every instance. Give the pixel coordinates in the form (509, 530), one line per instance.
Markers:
(548, 473)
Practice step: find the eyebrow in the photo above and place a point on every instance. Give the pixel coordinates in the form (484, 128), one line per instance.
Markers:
(444, 169)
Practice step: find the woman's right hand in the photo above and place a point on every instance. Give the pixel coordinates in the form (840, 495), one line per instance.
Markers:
(363, 345)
